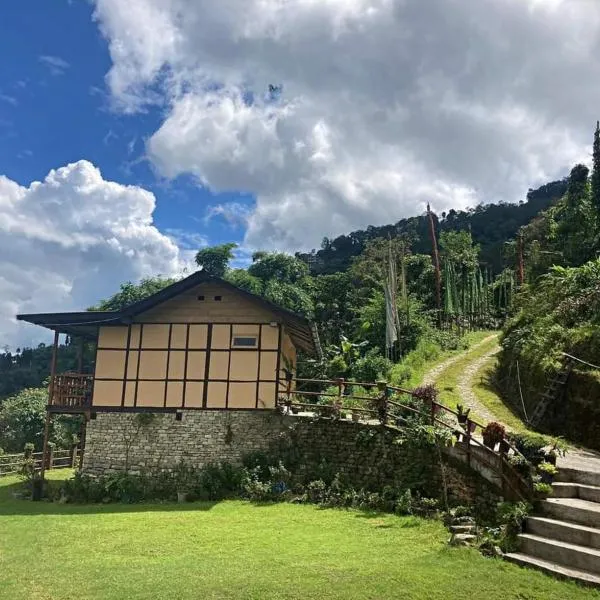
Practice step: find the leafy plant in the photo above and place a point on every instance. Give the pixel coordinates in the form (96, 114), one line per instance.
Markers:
(493, 433)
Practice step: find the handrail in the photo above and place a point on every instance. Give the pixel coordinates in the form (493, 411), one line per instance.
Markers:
(382, 405)
(579, 360)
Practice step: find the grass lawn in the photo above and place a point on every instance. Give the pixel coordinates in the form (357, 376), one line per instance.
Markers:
(488, 396)
(238, 550)
(448, 378)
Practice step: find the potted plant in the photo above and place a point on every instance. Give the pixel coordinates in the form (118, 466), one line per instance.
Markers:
(547, 471)
(558, 448)
(493, 434)
(463, 414)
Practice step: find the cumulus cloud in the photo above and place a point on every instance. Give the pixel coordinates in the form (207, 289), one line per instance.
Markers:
(386, 104)
(71, 240)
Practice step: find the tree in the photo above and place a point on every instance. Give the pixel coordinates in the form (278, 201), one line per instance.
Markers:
(242, 279)
(22, 421)
(596, 171)
(214, 260)
(576, 219)
(285, 268)
(134, 292)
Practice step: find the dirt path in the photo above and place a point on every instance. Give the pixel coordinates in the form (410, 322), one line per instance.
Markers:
(432, 375)
(465, 388)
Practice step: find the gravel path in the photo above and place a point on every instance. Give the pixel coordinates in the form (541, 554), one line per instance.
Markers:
(432, 375)
(465, 389)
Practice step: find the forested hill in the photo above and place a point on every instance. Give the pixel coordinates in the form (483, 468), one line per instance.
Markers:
(491, 225)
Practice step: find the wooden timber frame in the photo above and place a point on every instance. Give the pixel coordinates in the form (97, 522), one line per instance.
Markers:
(50, 412)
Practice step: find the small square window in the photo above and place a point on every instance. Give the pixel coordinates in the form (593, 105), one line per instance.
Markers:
(244, 342)
(218, 298)
(201, 298)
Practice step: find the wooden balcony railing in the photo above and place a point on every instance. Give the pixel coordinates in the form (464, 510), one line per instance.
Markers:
(71, 390)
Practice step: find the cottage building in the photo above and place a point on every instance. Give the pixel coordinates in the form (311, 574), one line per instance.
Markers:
(200, 344)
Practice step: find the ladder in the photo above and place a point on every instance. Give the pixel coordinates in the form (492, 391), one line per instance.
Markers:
(553, 391)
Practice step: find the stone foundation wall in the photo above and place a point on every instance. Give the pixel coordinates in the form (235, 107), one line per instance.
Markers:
(366, 457)
(137, 441)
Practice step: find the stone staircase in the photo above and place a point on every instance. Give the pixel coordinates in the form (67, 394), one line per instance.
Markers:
(563, 539)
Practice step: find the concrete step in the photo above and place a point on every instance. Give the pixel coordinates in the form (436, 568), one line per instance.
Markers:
(552, 568)
(572, 509)
(562, 553)
(567, 489)
(571, 533)
(566, 474)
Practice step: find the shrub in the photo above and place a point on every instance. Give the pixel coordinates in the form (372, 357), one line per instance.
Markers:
(371, 367)
(493, 433)
(530, 445)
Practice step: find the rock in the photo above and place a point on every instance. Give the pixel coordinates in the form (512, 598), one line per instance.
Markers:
(462, 539)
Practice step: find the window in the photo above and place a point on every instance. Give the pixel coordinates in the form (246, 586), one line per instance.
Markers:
(244, 342)
(218, 298)
(201, 298)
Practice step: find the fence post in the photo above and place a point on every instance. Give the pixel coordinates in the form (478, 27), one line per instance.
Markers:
(382, 386)
(73, 454)
(468, 441)
(50, 456)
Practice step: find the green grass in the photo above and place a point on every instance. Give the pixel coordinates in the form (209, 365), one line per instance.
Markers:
(491, 399)
(427, 356)
(447, 381)
(237, 550)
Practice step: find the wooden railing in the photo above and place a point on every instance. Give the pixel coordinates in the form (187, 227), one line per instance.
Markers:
(56, 459)
(392, 406)
(71, 390)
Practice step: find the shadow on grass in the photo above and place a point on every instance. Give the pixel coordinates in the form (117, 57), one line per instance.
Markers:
(489, 385)
(11, 503)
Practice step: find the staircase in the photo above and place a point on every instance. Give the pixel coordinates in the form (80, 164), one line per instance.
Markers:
(564, 538)
(553, 391)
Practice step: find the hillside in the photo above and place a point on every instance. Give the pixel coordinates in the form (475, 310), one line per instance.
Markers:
(491, 225)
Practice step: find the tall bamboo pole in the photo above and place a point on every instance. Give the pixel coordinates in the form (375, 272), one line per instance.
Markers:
(50, 398)
(436, 264)
(521, 260)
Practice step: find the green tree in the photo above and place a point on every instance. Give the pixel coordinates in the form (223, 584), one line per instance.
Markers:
(215, 259)
(576, 219)
(596, 171)
(277, 265)
(22, 420)
(133, 292)
(242, 279)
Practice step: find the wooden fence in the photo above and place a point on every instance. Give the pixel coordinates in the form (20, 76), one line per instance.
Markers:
(393, 406)
(11, 464)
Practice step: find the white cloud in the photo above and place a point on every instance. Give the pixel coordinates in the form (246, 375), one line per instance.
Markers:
(386, 104)
(71, 240)
(56, 64)
(235, 214)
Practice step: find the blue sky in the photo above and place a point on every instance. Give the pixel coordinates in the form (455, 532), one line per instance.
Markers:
(119, 108)
(52, 115)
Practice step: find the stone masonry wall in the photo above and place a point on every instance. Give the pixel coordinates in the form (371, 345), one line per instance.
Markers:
(366, 456)
(129, 441)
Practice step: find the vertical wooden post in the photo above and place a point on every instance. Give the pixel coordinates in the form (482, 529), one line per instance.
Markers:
(50, 456)
(521, 259)
(436, 264)
(80, 355)
(50, 401)
(86, 416)
(73, 456)
(468, 441)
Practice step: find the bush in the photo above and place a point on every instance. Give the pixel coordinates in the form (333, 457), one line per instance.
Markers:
(530, 445)
(371, 367)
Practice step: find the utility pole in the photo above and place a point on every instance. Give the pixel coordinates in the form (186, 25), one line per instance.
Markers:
(521, 259)
(436, 264)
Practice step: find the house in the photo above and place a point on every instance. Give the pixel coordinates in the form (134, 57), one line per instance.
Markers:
(200, 344)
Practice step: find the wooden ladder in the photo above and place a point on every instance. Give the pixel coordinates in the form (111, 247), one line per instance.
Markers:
(553, 391)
